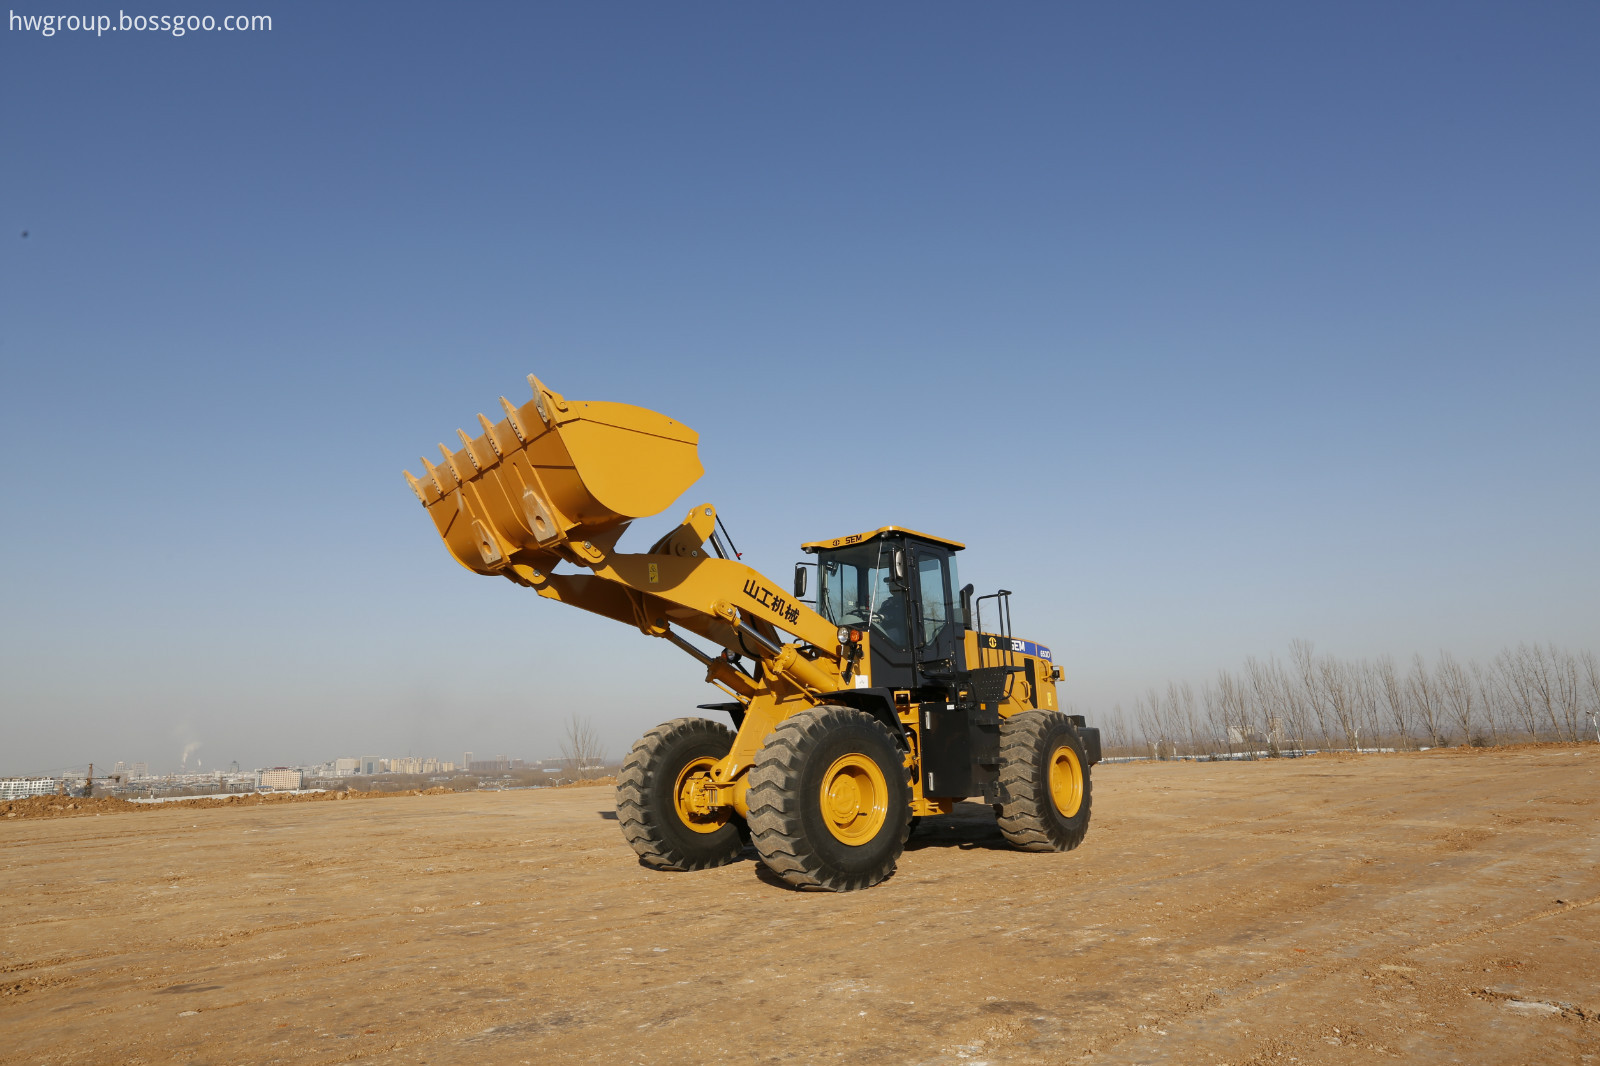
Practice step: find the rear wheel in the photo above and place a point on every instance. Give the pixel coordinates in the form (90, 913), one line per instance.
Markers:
(829, 800)
(653, 791)
(1044, 782)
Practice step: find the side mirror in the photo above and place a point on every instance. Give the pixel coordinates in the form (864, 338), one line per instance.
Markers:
(899, 564)
(799, 580)
(966, 607)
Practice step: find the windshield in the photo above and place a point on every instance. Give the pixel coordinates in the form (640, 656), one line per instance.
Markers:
(853, 589)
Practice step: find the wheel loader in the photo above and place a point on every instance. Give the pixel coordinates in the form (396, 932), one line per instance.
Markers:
(881, 698)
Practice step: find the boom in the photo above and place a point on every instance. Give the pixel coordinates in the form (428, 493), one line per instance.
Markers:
(560, 481)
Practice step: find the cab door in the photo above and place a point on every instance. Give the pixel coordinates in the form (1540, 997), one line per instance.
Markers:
(937, 632)
(864, 587)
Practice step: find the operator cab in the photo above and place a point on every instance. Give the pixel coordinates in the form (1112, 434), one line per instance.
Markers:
(900, 587)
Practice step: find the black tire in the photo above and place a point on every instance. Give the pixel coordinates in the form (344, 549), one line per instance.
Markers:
(647, 809)
(1030, 816)
(788, 823)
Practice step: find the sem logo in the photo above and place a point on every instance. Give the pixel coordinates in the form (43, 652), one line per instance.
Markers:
(1026, 647)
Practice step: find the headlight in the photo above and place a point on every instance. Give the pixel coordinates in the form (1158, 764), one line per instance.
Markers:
(844, 634)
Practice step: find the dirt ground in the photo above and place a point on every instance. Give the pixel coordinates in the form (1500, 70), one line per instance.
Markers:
(1432, 908)
(77, 806)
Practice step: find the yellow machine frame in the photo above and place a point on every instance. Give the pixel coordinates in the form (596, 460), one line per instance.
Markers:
(559, 481)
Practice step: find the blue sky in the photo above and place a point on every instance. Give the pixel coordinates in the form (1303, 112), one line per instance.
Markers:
(1205, 329)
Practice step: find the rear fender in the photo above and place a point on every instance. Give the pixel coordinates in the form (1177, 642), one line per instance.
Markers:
(1090, 736)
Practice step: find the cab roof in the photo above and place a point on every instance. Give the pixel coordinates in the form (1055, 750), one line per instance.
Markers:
(812, 547)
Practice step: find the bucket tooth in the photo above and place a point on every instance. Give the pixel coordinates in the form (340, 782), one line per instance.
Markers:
(538, 398)
(416, 487)
(438, 480)
(516, 423)
(472, 455)
(544, 397)
(454, 469)
(488, 435)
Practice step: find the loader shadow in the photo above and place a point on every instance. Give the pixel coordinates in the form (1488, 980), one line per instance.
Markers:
(765, 875)
(968, 826)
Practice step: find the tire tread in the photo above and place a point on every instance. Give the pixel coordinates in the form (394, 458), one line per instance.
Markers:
(1026, 815)
(775, 804)
(641, 826)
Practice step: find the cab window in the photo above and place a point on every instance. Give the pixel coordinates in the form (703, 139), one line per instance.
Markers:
(931, 589)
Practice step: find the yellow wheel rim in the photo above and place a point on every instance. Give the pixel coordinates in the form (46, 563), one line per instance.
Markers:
(1066, 780)
(700, 823)
(855, 799)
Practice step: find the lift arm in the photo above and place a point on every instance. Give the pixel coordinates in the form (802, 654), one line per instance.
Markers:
(559, 481)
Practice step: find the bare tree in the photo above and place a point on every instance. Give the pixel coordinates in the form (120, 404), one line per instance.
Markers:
(1542, 676)
(1185, 715)
(1258, 693)
(1568, 686)
(1147, 715)
(1488, 690)
(1456, 693)
(1515, 680)
(1540, 689)
(1279, 711)
(1365, 681)
(1591, 673)
(1302, 654)
(1339, 691)
(1117, 730)
(1393, 695)
(1240, 711)
(581, 747)
(1424, 697)
(1216, 717)
(1225, 707)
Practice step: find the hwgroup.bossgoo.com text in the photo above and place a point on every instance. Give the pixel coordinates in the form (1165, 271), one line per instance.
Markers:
(177, 25)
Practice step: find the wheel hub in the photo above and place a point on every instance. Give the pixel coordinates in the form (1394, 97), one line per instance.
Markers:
(693, 801)
(855, 799)
(1066, 781)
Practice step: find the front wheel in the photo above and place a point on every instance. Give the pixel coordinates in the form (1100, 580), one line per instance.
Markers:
(652, 797)
(1044, 782)
(829, 800)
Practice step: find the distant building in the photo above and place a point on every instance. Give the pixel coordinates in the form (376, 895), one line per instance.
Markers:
(346, 767)
(371, 764)
(139, 770)
(500, 765)
(280, 777)
(12, 788)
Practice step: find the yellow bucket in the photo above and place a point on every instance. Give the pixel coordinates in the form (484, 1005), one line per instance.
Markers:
(554, 471)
